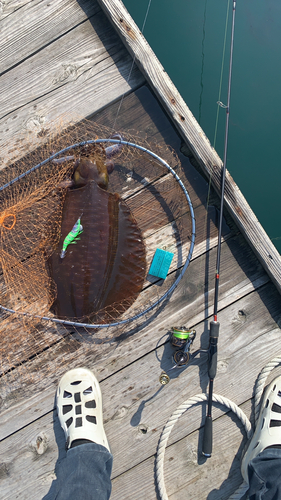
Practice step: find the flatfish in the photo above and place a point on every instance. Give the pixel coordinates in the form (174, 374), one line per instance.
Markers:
(101, 272)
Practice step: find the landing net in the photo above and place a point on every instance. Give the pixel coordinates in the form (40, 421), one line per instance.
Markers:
(147, 179)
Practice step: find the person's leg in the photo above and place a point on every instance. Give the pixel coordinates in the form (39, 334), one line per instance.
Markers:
(264, 473)
(261, 464)
(85, 472)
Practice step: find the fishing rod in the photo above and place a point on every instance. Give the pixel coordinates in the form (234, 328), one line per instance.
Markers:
(214, 325)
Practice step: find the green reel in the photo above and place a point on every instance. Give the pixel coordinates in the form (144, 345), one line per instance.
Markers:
(182, 339)
(180, 336)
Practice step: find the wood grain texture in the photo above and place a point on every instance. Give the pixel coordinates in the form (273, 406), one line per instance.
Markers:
(62, 57)
(77, 56)
(159, 220)
(191, 303)
(133, 424)
(186, 473)
(240, 334)
(72, 77)
(194, 137)
(27, 26)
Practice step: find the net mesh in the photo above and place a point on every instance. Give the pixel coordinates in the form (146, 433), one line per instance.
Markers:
(33, 208)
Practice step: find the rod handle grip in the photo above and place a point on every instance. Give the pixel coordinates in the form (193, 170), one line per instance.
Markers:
(208, 438)
(212, 369)
(214, 329)
(213, 349)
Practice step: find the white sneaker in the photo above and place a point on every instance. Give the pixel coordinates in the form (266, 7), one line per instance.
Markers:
(79, 405)
(268, 428)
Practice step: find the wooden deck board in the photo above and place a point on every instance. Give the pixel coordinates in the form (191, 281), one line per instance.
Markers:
(28, 26)
(191, 301)
(216, 478)
(194, 137)
(71, 74)
(134, 421)
(56, 79)
(78, 55)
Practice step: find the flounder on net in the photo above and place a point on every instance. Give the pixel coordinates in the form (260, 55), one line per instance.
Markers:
(99, 264)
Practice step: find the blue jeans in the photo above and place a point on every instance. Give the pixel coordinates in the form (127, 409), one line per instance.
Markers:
(265, 475)
(85, 474)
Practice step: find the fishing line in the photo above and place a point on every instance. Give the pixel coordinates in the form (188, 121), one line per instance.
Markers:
(202, 65)
(222, 67)
(218, 102)
(216, 125)
(130, 72)
(214, 325)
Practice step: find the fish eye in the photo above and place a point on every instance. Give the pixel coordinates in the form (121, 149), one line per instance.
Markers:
(78, 178)
(103, 180)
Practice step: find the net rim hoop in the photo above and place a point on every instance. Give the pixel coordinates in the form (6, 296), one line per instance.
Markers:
(187, 261)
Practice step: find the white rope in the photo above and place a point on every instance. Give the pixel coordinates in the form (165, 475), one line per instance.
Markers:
(199, 398)
(174, 418)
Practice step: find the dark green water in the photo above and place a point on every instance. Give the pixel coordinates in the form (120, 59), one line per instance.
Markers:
(187, 37)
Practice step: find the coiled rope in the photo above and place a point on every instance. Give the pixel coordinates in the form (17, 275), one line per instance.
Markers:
(199, 398)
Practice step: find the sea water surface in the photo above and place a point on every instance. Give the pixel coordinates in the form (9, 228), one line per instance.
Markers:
(188, 38)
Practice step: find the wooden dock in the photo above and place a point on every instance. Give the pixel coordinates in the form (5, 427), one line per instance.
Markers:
(74, 58)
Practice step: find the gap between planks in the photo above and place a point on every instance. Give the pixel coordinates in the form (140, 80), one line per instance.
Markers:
(190, 300)
(76, 79)
(138, 411)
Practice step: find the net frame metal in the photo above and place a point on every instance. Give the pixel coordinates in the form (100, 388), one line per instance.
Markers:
(184, 268)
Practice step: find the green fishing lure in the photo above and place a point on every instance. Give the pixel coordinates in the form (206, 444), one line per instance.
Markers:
(72, 236)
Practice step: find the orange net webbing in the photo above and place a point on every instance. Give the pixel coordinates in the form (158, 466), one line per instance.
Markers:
(34, 212)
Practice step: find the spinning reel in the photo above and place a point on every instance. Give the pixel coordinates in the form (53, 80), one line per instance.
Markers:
(182, 339)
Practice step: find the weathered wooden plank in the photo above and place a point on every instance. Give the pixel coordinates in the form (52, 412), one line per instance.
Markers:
(191, 303)
(133, 424)
(77, 75)
(39, 442)
(195, 138)
(157, 125)
(139, 480)
(11, 6)
(140, 114)
(80, 54)
(160, 203)
(241, 334)
(186, 473)
(28, 26)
